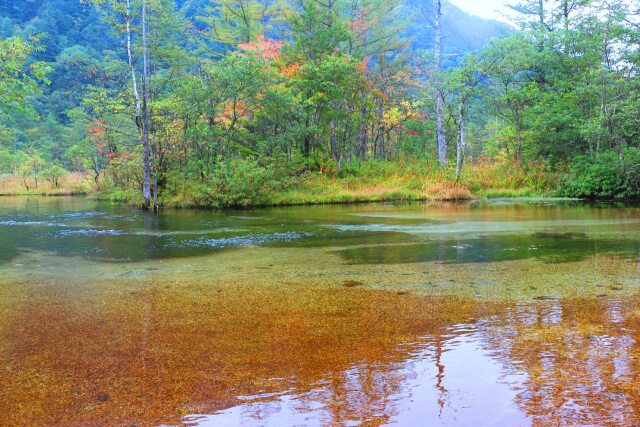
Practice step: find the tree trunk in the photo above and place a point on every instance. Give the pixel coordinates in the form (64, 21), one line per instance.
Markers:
(155, 176)
(307, 138)
(518, 154)
(565, 15)
(333, 140)
(380, 132)
(134, 81)
(146, 121)
(362, 134)
(462, 144)
(541, 14)
(441, 137)
(442, 140)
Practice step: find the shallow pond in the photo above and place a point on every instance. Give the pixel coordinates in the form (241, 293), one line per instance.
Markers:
(520, 312)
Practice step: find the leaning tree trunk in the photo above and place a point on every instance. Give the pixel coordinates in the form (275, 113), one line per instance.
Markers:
(441, 137)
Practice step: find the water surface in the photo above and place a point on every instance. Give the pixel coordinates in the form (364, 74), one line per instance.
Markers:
(484, 313)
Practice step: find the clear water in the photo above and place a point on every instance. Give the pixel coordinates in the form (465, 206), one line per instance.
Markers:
(487, 313)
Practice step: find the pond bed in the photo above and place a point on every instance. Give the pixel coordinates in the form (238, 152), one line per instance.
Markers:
(501, 313)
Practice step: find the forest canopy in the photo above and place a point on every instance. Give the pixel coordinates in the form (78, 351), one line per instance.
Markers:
(250, 102)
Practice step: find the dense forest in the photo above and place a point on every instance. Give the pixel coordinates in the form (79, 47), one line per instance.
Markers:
(258, 102)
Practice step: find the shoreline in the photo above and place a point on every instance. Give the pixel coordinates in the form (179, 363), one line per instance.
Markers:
(329, 202)
(372, 183)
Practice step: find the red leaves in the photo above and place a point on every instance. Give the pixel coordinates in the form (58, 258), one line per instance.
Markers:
(265, 48)
(360, 22)
(358, 25)
(98, 135)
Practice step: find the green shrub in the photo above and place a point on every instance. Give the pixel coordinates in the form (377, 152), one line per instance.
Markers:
(242, 183)
(608, 175)
(53, 174)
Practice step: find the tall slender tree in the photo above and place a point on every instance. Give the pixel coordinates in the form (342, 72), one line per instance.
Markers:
(440, 107)
(146, 118)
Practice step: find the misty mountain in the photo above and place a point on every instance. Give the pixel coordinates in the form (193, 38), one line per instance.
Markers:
(72, 22)
(462, 32)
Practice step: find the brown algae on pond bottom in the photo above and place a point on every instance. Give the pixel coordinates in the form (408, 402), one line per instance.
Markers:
(123, 351)
(159, 351)
(467, 314)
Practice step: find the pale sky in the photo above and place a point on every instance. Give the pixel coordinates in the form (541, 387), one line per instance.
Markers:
(491, 9)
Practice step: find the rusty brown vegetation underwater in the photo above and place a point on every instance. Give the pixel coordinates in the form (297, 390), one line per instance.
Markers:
(309, 336)
(151, 352)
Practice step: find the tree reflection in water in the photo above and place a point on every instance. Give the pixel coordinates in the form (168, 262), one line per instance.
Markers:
(574, 361)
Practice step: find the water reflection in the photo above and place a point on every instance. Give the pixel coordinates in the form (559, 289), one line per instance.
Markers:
(580, 357)
(440, 381)
(243, 355)
(571, 362)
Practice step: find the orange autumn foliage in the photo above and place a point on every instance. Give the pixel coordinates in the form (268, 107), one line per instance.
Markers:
(363, 66)
(233, 111)
(290, 70)
(265, 48)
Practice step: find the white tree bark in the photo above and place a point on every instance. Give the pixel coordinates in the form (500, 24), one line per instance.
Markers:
(441, 137)
(146, 120)
(462, 143)
(134, 81)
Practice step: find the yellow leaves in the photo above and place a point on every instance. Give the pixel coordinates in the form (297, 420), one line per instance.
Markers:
(318, 97)
(392, 118)
(398, 115)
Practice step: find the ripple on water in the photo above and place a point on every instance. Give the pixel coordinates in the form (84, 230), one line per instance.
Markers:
(247, 240)
(12, 223)
(77, 215)
(89, 232)
(454, 227)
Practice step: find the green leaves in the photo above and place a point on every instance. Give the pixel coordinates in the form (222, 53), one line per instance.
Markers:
(19, 76)
(609, 175)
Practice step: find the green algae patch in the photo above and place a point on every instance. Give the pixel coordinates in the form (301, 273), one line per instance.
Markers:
(547, 247)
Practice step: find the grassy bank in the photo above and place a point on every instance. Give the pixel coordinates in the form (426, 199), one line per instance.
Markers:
(380, 182)
(254, 186)
(246, 185)
(69, 184)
